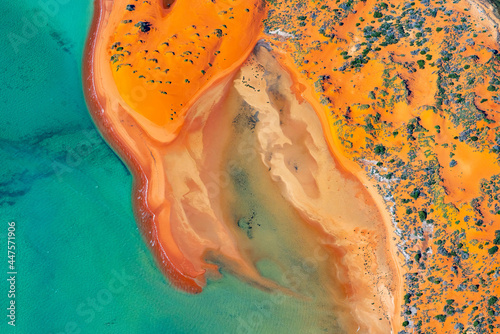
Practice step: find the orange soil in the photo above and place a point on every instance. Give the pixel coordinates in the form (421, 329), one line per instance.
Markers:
(143, 100)
(106, 106)
(329, 198)
(160, 73)
(347, 105)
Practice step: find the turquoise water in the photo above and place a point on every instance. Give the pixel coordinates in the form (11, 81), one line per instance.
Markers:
(81, 264)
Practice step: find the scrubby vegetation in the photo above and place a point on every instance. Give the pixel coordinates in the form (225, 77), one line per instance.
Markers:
(410, 90)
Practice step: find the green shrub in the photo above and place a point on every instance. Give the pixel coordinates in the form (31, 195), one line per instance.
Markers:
(143, 26)
(493, 250)
(379, 149)
(496, 241)
(415, 193)
(440, 317)
(422, 215)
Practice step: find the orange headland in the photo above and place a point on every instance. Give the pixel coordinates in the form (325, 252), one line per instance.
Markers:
(164, 56)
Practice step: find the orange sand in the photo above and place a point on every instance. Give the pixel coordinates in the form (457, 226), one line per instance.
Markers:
(160, 73)
(346, 106)
(182, 248)
(152, 104)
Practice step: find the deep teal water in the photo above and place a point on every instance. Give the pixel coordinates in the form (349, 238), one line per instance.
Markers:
(82, 266)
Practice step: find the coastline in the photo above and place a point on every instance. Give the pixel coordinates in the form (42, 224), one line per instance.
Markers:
(122, 128)
(352, 171)
(96, 104)
(142, 211)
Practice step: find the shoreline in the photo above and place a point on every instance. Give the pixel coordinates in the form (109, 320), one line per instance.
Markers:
(96, 104)
(352, 171)
(134, 158)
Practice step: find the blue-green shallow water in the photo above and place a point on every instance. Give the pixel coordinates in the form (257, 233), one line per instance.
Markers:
(82, 265)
